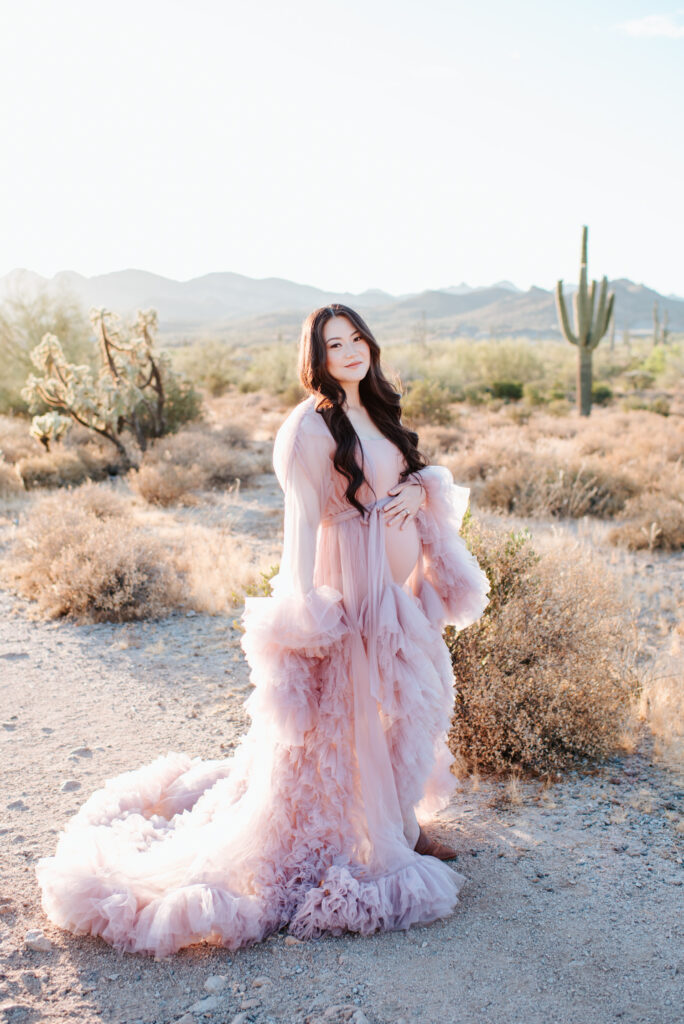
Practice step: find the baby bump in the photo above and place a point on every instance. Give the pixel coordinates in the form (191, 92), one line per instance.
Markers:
(402, 547)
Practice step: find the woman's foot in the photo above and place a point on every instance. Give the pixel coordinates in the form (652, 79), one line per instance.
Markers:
(433, 847)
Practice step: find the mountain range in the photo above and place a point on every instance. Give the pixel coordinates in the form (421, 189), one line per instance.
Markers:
(234, 307)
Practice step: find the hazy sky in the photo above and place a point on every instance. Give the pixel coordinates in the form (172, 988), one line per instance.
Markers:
(350, 145)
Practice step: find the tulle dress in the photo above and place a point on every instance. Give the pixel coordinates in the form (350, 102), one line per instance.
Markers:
(312, 821)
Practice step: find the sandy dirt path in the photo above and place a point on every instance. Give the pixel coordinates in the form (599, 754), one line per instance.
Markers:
(572, 910)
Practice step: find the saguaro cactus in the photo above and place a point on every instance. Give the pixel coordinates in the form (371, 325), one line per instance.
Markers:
(590, 325)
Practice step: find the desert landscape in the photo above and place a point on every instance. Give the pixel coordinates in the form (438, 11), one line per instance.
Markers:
(123, 586)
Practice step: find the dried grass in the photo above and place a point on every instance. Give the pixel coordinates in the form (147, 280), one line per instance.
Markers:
(661, 702)
(164, 484)
(195, 459)
(656, 522)
(541, 487)
(10, 484)
(545, 678)
(220, 568)
(77, 555)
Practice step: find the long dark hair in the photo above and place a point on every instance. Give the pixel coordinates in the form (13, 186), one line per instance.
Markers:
(378, 396)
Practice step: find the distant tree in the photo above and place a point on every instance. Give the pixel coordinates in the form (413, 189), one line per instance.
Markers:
(590, 326)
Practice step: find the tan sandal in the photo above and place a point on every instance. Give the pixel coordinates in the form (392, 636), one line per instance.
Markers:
(433, 847)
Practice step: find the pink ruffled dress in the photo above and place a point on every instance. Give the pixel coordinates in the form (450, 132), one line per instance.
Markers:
(311, 823)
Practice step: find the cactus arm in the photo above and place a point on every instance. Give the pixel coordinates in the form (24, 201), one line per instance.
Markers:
(563, 314)
(582, 307)
(600, 322)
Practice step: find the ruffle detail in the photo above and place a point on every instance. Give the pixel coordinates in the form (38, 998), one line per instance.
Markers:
(451, 569)
(424, 890)
(288, 640)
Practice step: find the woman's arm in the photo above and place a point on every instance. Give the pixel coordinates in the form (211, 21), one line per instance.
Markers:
(450, 568)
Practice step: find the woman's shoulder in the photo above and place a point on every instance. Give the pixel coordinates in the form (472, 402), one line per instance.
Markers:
(303, 420)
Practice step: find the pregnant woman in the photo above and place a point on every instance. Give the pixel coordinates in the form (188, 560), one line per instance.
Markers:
(313, 823)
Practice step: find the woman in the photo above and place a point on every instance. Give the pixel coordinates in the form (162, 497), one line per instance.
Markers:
(313, 822)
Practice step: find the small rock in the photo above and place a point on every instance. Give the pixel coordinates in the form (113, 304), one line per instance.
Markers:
(290, 940)
(69, 786)
(215, 983)
(80, 752)
(17, 805)
(31, 982)
(34, 939)
(9, 726)
(205, 1005)
(190, 615)
(240, 1018)
(261, 980)
(187, 1018)
(250, 1004)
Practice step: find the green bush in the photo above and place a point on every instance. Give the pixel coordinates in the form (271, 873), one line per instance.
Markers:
(426, 401)
(182, 404)
(509, 390)
(601, 394)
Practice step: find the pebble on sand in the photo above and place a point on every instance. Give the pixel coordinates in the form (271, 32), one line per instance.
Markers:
(215, 983)
(34, 939)
(69, 785)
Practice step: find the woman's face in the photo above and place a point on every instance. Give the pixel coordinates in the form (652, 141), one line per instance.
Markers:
(348, 352)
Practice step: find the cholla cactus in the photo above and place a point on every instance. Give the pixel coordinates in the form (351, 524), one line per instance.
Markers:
(128, 387)
(590, 325)
(51, 426)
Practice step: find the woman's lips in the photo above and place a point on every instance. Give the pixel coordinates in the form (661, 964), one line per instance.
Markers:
(350, 365)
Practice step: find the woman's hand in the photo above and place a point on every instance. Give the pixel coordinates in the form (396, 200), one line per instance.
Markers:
(409, 498)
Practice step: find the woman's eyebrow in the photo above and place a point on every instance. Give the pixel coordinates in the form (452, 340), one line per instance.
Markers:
(337, 337)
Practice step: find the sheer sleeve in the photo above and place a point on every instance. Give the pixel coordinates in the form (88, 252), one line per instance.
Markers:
(287, 636)
(301, 459)
(450, 568)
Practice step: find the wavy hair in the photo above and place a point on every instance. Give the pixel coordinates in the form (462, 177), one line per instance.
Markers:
(380, 399)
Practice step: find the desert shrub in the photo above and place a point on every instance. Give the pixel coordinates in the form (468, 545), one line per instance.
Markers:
(533, 394)
(534, 486)
(209, 363)
(272, 368)
(659, 405)
(219, 568)
(426, 401)
(196, 458)
(544, 678)
(558, 405)
(52, 469)
(182, 404)
(661, 701)
(509, 390)
(163, 483)
(74, 561)
(656, 522)
(15, 440)
(601, 394)
(10, 484)
(475, 394)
